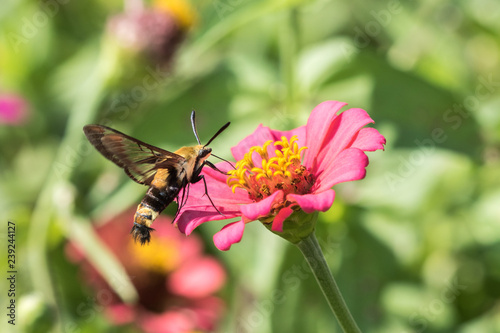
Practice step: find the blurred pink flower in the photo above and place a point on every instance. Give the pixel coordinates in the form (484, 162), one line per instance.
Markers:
(175, 280)
(278, 173)
(156, 31)
(13, 110)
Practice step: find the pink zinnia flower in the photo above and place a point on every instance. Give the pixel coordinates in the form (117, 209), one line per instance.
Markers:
(278, 172)
(174, 279)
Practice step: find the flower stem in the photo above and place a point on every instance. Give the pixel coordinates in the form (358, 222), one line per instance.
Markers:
(311, 250)
(82, 112)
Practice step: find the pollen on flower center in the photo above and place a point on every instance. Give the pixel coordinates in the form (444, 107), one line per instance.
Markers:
(262, 175)
(158, 256)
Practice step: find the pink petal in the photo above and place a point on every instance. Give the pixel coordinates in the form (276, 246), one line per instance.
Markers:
(120, 314)
(217, 188)
(300, 132)
(346, 126)
(368, 139)
(170, 321)
(188, 247)
(314, 202)
(229, 235)
(198, 208)
(347, 166)
(263, 134)
(282, 215)
(257, 138)
(208, 311)
(341, 133)
(192, 218)
(261, 208)
(317, 127)
(197, 278)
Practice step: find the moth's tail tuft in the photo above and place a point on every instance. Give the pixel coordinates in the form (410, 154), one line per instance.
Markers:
(141, 233)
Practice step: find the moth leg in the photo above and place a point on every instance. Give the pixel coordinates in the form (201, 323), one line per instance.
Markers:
(212, 166)
(187, 194)
(183, 200)
(178, 207)
(206, 193)
(220, 158)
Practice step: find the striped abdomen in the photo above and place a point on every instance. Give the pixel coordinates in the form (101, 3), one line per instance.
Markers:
(153, 203)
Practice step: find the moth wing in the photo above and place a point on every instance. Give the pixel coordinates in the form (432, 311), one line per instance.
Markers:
(139, 159)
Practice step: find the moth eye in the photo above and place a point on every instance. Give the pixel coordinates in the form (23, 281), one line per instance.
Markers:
(205, 152)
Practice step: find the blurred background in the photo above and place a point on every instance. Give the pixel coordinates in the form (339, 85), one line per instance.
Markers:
(415, 246)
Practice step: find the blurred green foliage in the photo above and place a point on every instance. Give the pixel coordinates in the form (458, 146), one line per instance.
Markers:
(415, 246)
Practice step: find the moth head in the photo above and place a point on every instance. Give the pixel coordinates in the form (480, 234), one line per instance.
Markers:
(203, 153)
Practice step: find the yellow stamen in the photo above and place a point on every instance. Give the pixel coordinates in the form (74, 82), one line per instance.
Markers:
(276, 173)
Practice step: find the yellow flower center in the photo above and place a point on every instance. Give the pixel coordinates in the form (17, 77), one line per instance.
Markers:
(263, 176)
(182, 10)
(161, 255)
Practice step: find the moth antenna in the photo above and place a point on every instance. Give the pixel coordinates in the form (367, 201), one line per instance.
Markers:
(220, 158)
(193, 124)
(218, 132)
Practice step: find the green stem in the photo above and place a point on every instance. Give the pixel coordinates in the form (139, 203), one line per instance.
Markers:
(311, 250)
(83, 111)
